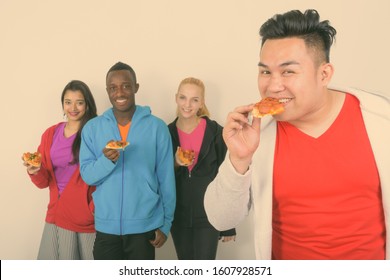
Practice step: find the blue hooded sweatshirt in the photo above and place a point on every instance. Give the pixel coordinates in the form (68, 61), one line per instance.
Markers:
(137, 193)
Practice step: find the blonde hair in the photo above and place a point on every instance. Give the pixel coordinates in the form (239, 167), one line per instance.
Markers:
(194, 81)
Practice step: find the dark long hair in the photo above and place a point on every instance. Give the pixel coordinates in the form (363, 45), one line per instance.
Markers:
(90, 112)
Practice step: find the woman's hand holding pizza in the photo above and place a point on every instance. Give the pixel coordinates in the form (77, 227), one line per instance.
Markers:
(32, 170)
(32, 161)
(241, 137)
(184, 157)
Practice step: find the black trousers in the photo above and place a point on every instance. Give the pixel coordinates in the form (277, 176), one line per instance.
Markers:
(124, 247)
(195, 243)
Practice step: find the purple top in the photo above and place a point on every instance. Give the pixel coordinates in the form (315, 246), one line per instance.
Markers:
(61, 156)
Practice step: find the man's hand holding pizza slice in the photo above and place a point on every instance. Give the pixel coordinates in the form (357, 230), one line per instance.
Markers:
(111, 150)
(241, 136)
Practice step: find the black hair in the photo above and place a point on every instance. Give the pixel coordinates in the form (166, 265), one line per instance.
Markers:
(316, 34)
(90, 112)
(122, 66)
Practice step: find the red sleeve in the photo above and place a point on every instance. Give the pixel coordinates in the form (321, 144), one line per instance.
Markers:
(43, 177)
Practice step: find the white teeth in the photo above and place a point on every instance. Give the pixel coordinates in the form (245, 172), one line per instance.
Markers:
(284, 100)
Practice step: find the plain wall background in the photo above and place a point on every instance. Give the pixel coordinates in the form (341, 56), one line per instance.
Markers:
(44, 44)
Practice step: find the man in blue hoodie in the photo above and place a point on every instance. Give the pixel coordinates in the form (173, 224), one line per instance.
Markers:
(135, 186)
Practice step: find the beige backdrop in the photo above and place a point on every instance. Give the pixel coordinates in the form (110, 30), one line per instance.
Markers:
(44, 44)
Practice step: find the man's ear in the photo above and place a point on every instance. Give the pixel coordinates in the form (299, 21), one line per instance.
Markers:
(136, 88)
(326, 73)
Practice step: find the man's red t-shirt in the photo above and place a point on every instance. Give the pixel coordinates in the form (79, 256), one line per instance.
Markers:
(327, 200)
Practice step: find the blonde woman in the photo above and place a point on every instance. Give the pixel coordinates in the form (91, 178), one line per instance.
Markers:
(193, 235)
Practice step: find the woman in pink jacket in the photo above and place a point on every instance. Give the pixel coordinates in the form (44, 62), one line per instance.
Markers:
(69, 231)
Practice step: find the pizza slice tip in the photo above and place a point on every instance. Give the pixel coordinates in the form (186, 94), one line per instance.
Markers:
(267, 106)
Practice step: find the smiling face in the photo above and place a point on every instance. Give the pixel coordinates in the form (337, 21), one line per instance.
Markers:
(74, 105)
(121, 89)
(289, 71)
(189, 100)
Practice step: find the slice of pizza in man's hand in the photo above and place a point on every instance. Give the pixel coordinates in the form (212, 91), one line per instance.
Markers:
(117, 145)
(267, 106)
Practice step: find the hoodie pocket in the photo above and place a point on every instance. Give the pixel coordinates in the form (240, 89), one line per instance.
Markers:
(140, 201)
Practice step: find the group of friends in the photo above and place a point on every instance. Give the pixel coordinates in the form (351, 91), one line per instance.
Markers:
(316, 175)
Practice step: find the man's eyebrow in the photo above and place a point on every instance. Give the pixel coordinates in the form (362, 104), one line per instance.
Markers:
(287, 63)
(284, 64)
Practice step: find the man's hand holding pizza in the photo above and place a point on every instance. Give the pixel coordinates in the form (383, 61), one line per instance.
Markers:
(241, 137)
(110, 153)
(111, 150)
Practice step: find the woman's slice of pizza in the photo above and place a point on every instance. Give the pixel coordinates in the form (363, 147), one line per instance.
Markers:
(186, 156)
(33, 159)
(267, 106)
